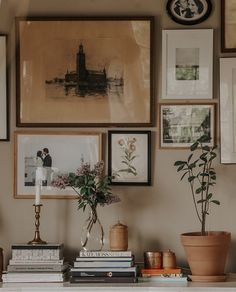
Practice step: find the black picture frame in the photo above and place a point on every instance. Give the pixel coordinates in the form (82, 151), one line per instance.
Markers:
(196, 12)
(129, 157)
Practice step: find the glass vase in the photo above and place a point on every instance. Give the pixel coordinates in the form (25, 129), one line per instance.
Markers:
(92, 237)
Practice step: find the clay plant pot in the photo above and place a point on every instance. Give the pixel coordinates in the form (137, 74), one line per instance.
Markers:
(206, 255)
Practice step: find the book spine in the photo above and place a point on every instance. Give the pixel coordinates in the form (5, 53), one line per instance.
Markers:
(102, 274)
(35, 268)
(103, 280)
(103, 259)
(38, 246)
(37, 254)
(84, 253)
(35, 262)
(103, 264)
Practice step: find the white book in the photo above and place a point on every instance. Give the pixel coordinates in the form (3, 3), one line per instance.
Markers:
(101, 259)
(36, 262)
(105, 264)
(98, 269)
(108, 253)
(32, 277)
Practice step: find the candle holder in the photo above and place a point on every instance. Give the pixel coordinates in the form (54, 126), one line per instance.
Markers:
(37, 239)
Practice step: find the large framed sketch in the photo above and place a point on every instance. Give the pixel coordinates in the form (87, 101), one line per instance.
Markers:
(129, 157)
(228, 25)
(228, 110)
(4, 122)
(187, 62)
(65, 151)
(84, 72)
(183, 124)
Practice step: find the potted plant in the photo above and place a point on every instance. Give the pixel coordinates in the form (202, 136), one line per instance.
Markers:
(206, 250)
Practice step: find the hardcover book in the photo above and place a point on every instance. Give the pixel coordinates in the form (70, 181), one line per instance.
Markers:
(103, 280)
(105, 264)
(90, 274)
(107, 253)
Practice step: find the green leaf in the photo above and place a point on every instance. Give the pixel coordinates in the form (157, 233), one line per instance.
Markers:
(183, 175)
(211, 172)
(215, 202)
(194, 146)
(198, 190)
(179, 162)
(209, 196)
(190, 156)
(201, 201)
(180, 167)
(191, 178)
(213, 177)
(206, 148)
(204, 174)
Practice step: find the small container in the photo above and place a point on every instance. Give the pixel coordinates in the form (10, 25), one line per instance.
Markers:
(169, 259)
(119, 237)
(152, 259)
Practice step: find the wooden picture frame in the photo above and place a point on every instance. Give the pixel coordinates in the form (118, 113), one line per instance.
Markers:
(187, 64)
(129, 157)
(182, 124)
(67, 150)
(4, 107)
(84, 71)
(228, 26)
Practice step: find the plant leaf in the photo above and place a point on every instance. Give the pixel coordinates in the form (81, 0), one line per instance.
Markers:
(215, 202)
(191, 178)
(179, 162)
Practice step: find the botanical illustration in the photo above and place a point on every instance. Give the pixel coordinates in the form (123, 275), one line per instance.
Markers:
(187, 64)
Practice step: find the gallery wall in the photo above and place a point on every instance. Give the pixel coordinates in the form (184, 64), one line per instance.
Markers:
(156, 214)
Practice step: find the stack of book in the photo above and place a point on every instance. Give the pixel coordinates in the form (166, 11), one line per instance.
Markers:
(162, 275)
(103, 267)
(36, 263)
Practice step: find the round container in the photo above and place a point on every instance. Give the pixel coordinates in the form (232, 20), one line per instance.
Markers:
(152, 259)
(169, 259)
(119, 237)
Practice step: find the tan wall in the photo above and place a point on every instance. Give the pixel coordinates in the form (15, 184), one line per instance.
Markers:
(155, 215)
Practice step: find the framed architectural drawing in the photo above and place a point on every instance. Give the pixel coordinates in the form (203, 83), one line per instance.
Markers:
(183, 124)
(4, 122)
(228, 26)
(129, 157)
(228, 110)
(95, 71)
(187, 57)
(66, 150)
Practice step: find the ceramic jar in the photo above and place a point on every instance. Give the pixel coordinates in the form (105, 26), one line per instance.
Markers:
(169, 260)
(119, 237)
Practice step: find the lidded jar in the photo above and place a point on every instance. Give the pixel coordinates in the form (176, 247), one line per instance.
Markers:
(119, 237)
(169, 259)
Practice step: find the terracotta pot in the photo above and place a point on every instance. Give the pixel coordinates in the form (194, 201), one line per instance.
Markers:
(206, 255)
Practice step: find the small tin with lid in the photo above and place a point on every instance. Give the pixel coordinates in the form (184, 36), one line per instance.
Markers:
(119, 237)
(169, 259)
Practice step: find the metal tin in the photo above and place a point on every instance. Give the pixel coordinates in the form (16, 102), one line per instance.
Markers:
(153, 259)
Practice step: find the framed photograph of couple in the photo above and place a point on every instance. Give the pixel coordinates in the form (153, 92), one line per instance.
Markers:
(187, 64)
(129, 157)
(182, 124)
(189, 12)
(228, 26)
(95, 71)
(54, 153)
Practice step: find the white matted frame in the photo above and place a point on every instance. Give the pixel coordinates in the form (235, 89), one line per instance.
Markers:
(187, 62)
(182, 124)
(228, 109)
(67, 150)
(4, 132)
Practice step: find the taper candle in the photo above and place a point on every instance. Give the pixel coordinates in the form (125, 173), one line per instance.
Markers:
(37, 194)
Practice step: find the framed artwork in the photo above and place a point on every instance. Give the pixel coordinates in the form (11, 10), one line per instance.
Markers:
(84, 72)
(187, 62)
(182, 124)
(228, 26)
(228, 110)
(189, 12)
(129, 157)
(4, 122)
(66, 150)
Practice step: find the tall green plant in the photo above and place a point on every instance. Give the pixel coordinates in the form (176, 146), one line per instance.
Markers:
(201, 176)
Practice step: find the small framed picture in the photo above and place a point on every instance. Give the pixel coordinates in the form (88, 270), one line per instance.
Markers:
(129, 157)
(182, 124)
(55, 152)
(228, 26)
(187, 62)
(189, 12)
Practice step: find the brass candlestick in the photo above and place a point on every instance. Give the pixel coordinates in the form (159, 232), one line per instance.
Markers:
(37, 239)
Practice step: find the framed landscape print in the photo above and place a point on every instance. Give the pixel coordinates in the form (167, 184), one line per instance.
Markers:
(228, 25)
(4, 123)
(182, 124)
(66, 150)
(228, 110)
(189, 12)
(84, 72)
(187, 61)
(129, 157)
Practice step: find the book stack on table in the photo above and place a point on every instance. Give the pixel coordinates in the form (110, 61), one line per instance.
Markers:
(36, 263)
(162, 275)
(103, 267)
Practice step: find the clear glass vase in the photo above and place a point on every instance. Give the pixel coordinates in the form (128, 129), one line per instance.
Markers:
(92, 237)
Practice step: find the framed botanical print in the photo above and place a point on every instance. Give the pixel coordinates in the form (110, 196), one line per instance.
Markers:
(187, 62)
(182, 124)
(66, 151)
(84, 72)
(228, 25)
(129, 157)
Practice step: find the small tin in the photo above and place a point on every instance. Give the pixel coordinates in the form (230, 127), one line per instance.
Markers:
(169, 259)
(153, 260)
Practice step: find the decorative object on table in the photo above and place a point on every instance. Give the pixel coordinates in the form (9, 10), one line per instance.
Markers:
(4, 107)
(36, 263)
(104, 267)
(37, 240)
(228, 26)
(187, 64)
(65, 151)
(227, 110)
(168, 259)
(189, 12)
(118, 237)
(152, 259)
(182, 124)
(103, 63)
(92, 188)
(129, 157)
(206, 250)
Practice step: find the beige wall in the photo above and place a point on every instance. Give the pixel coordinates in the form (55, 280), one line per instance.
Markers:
(155, 215)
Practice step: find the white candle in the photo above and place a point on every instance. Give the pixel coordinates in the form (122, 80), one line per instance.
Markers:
(37, 194)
